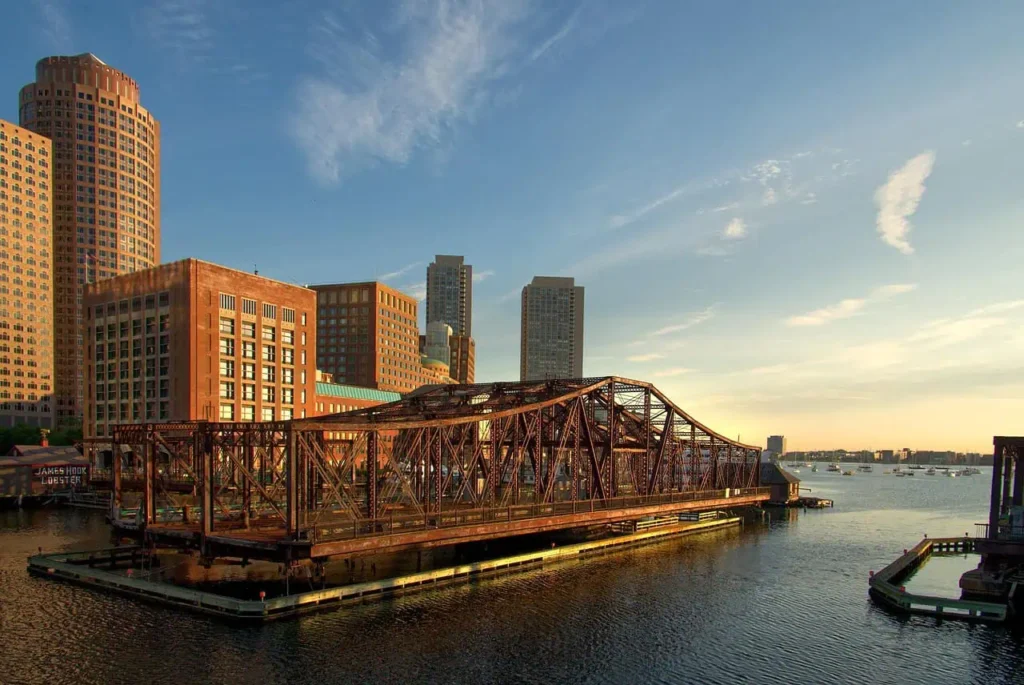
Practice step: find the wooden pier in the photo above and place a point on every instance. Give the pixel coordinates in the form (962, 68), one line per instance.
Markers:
(886, 589)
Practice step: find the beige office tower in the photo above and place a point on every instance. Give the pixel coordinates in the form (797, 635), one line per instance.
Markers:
(551, 337)
(106, 193)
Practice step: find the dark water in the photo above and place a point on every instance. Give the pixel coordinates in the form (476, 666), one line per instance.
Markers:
(785, 604)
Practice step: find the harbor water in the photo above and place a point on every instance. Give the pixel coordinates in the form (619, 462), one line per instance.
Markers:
(779, 603)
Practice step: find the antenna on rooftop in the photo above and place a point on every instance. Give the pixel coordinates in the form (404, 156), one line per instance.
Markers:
(255, 271)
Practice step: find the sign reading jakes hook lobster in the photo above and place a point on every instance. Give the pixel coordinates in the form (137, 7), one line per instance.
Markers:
(65, 475)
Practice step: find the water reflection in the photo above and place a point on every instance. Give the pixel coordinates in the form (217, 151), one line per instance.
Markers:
(781, 603)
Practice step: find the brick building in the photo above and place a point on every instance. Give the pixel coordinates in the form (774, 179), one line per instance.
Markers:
(106, 193)
(26, 278)
(193, 340)
(368, 335)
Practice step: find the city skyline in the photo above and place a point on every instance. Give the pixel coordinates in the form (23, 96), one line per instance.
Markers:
(838, 244)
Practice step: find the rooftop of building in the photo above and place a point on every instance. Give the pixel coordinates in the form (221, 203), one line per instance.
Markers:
(355, 392)
(32, 455)
(554, 281)
(186, 260)
(773, 474)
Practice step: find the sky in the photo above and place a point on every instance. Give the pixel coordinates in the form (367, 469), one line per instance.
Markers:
(794, 217)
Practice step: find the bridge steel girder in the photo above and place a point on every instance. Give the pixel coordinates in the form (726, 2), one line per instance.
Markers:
(441, 453)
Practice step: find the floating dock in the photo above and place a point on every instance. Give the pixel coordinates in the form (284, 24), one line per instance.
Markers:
(85, 568)
(886, 589)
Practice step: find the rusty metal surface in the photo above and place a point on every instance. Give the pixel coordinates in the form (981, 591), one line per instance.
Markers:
(576, 446)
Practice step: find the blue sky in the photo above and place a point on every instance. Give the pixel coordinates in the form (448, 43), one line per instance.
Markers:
(796, 217)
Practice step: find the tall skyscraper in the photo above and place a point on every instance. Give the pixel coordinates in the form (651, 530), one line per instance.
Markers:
(450, 293)
(26, 278)
(551, 338)
(106, 193)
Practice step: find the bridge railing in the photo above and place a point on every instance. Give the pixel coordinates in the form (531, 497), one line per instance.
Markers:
(342, 527)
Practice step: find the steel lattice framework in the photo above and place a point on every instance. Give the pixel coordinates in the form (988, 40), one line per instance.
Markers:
(443, 456)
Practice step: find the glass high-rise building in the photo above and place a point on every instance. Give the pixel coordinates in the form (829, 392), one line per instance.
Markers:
(106, 193)
(450, 293)
(551, 338)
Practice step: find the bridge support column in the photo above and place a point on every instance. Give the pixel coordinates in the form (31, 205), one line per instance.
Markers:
(292, 482)
(205, 449)
(371, 474)
(149, 476)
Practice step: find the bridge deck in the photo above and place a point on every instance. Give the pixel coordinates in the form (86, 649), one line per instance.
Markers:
(347, 537)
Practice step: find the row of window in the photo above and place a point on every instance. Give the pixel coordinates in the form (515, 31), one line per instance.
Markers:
(268, 393)
(267, 373)
(227, 302)
(248, 413)
(227, 327)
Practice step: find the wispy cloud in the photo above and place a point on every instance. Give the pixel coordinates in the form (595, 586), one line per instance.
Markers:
(735, 230)
(57, 26)
(694, 319)
(391, 275)
(417, 290)
(181, 26)
(674, 371)
(645, 357)
(479, 276)
(1020, 124)
(558, 36)
(899, 198)
(367, 108)
(997, 308)
(844, 309)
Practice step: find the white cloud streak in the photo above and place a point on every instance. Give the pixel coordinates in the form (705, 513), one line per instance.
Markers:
(367, 108)
(899, 198)
(479, 276)
(182, 26)
(669, 373)
(391, 275)
(645, 357)
(558, 36)
(849, 307)
(694, 320)
(57, 25)
(417, 290)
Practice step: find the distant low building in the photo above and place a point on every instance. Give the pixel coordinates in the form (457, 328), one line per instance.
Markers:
(777, 444)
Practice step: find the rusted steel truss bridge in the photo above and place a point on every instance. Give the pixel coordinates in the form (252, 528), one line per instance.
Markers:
(444, 465)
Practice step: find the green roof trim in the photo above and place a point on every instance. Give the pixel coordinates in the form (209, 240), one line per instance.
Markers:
(353, 392)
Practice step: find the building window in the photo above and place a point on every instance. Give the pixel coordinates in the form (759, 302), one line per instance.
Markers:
(269, 311)
(248, 412)
(227, 302)
(227, 368)
(269, 374)
(268, 393)
(288, 376)
(248, 371)
(286, 414)
(227, 412)
(248, 329)
(303, 319)
(268, 413)
(269, 353)
(248, 392)
(287, 315)
(287, 396)
(248, 350)
(287, 336)
(227, 347)
(287, 355)
(248, 306)
(227, 325)
(269, 333)
(227, 390)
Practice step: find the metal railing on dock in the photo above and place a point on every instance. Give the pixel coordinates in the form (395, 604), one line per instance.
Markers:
(885, 587)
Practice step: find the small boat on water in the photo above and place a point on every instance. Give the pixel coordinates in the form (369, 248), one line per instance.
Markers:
(834, 468)
(900, 474)
(865, 467)
(814, 469)
(930, 472)
(847, 473)
(808, 465)
(952, 474)
(910, 473)
(916, 467)
(971, 471)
